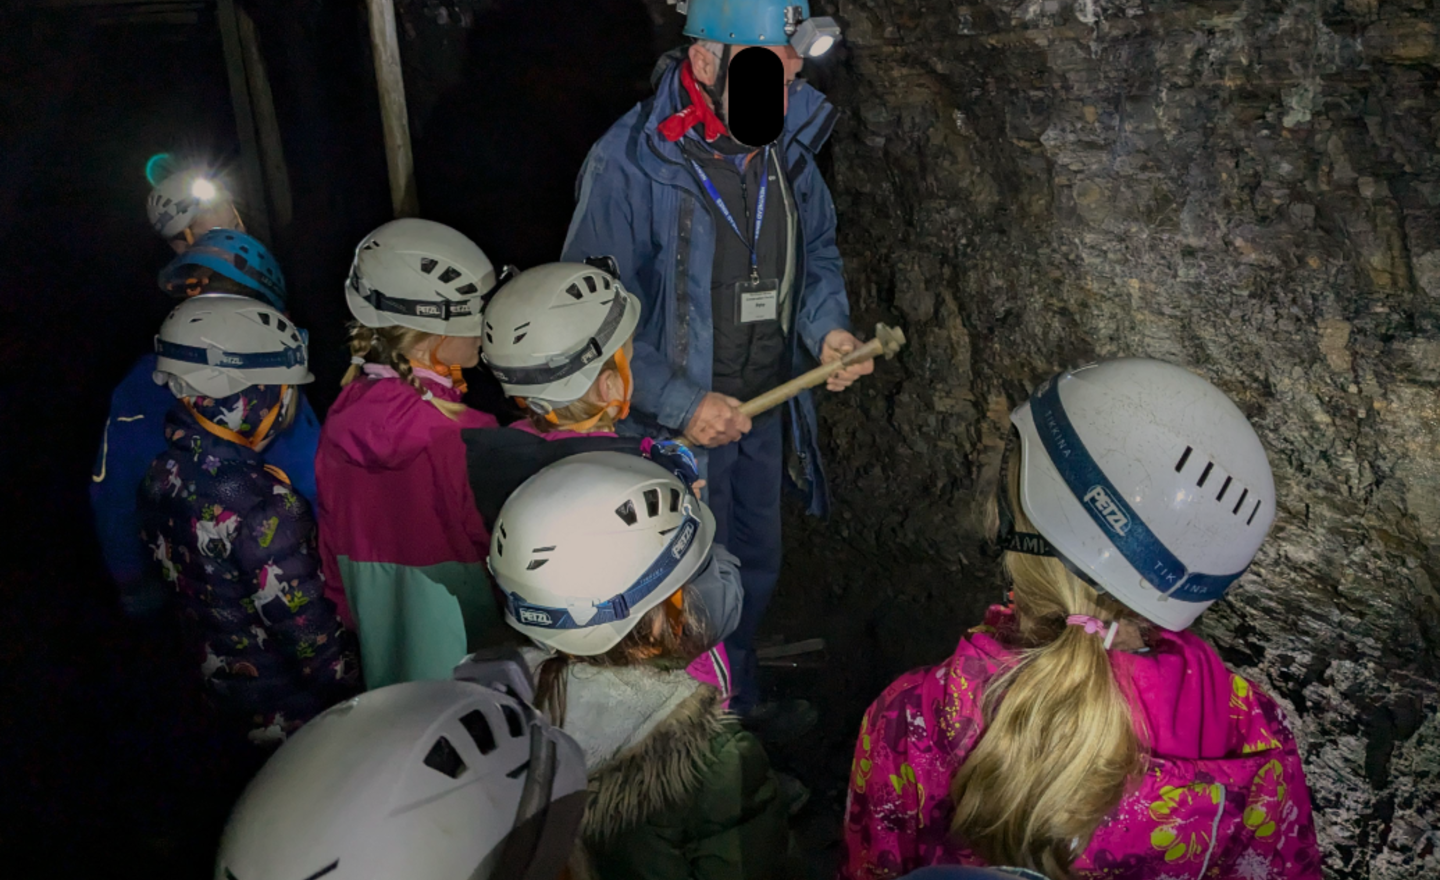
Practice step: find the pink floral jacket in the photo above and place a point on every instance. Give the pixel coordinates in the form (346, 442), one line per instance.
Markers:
(1224, 795)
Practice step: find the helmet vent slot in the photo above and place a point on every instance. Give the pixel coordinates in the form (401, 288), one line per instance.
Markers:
(443, 757)
(606, 282)
(1253, 512)
(512, 721)
(466, 289)
(1184, 457)
(450, 274)
(574, 291)
(1224, 487)
(590, 283)
(652, 502)
(535, 563)
(674, 500)
(478, 726)
(428, 264)
(1240, 503)
(1205, 474)
(518, 337)
(626, 512)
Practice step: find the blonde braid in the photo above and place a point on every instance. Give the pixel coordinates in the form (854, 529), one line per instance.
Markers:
(388, 346)
(362, 340)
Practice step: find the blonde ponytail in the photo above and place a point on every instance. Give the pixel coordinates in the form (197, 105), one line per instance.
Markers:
(390, 346)
(1059, 748)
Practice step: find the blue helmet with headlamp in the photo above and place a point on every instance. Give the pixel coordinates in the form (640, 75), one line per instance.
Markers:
(761, 23)
(233, 254)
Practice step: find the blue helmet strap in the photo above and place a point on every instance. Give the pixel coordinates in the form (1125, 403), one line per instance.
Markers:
(617, 607)
(262, 360)
(1107, 506)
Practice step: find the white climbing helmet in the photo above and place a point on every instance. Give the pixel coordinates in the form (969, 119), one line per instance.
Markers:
(419, 274)
(588, 545)
(218, 344)
(550, 330)
(427, 780)
(177, 200)
(1149, 480)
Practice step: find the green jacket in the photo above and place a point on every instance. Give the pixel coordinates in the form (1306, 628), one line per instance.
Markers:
(677, 789)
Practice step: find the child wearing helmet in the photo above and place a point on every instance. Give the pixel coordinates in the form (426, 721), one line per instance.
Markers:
(558, 337)
(226, 531)
(187, 204)
(403, 545)
(221, 261)
(423, 758)
(1081, 731)
(595, 555)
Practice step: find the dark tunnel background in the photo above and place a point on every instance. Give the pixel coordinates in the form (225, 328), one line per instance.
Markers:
(103, 761)
(1250, 188)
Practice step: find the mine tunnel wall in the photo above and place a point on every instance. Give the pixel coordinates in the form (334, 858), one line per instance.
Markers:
(1251, 189)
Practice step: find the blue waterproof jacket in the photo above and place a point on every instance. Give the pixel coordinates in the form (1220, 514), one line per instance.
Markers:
(134, 436)
(640, 202)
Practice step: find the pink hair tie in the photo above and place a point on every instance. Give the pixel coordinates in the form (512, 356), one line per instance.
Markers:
(1094, 626)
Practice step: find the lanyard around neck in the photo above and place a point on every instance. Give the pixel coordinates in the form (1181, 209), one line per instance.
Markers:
(753, 244)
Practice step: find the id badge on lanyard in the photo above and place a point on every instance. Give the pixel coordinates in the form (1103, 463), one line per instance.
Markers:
(757, 299)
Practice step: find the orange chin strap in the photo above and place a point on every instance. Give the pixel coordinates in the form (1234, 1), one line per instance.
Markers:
(457, 378)
(626, 381)
(675, 611)
(225, 433)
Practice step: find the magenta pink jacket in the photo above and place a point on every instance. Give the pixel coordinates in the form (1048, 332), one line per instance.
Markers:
(402, 545)
(1224, 796)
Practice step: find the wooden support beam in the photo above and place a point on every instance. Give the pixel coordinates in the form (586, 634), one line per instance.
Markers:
(251, 184)
(267, 127)
(393, 115)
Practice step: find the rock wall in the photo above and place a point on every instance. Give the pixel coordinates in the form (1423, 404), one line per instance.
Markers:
(1247, 187)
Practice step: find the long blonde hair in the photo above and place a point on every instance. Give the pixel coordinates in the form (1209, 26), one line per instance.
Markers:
(579, 411)
(391, 346)
(679, 639)
(1059, 748)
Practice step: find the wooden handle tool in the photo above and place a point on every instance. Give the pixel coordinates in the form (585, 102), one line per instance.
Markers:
(887, 341)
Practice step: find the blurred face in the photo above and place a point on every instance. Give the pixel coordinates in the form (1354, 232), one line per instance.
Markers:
(463, 351)
(707, 69)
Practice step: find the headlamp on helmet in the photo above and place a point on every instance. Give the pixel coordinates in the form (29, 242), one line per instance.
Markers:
(811, 37)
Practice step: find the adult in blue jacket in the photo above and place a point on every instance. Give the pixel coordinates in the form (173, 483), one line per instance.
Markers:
(731, 249)
(219, 261)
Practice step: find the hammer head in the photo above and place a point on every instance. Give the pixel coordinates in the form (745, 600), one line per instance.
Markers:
(890, 339)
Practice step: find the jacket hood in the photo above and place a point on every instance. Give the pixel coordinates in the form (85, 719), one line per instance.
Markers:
(808, 122)
(381, 421)
(646, 734)
(1180, 691)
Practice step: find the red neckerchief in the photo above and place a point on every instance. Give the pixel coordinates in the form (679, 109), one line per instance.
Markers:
(698, 112)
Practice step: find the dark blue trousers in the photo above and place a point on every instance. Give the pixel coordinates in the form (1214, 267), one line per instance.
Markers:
(743, 491)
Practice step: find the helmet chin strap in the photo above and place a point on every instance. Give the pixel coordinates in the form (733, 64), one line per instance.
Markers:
(257, 439)
(717, 90)
(627, 383)
(453, 371)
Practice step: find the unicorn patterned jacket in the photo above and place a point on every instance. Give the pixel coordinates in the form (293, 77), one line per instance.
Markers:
(238, 546)
(1223, 796)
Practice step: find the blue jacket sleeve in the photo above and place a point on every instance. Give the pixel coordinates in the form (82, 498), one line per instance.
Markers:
(717, 586)
(276, 547)
(823, 303)
(612, 218)
(134, 434)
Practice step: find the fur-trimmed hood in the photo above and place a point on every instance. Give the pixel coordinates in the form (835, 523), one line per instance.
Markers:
(648, 736)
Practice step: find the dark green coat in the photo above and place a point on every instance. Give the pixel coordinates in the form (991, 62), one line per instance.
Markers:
(695, 799)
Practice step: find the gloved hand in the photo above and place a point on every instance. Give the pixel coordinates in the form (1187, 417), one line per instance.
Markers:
(675, 458)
